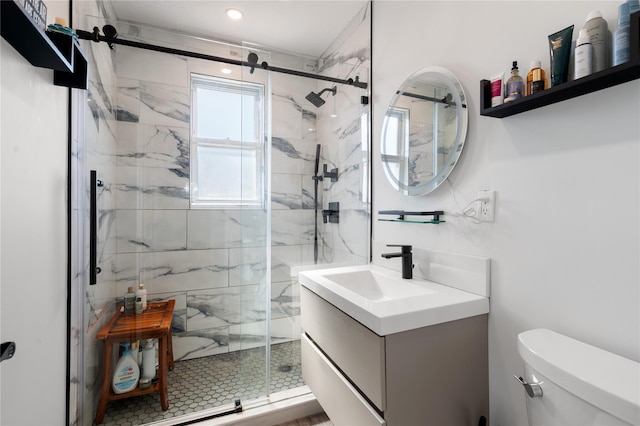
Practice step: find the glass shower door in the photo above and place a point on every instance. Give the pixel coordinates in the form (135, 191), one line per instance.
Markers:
(212, 260)
(251, 265)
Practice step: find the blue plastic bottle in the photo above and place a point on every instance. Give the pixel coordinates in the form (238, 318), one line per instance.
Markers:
(126, 374)
(621, 37)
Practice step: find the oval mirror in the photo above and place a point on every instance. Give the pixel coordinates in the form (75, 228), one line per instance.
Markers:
(424, 131)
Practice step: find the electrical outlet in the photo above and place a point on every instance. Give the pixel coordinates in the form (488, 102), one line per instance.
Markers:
(487, 206)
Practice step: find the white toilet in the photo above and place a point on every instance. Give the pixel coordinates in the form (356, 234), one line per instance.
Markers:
(570, 383)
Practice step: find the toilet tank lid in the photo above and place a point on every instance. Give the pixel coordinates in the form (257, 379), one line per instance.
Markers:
(605, 380)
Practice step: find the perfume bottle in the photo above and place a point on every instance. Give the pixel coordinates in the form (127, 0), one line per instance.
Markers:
(515, 85)
(536, 79)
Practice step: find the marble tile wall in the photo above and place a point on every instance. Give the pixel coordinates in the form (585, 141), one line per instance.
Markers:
(348, 150)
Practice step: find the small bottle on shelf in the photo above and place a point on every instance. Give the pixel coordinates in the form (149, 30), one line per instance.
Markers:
(536, 79)
(515, 85)
(130, 300)
(142, 294)
(583, 55)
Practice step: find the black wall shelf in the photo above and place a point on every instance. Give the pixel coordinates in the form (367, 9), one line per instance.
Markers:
(597, 81)
(50, 50)
(79, 76)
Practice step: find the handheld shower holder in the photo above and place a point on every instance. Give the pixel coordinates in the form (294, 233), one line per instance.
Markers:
(333, 174)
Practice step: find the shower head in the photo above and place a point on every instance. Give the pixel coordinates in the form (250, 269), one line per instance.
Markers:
(315, 98)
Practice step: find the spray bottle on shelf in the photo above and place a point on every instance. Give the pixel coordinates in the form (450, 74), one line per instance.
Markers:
(598, 33)
(583, 55)
(622, 37)
(126, 374)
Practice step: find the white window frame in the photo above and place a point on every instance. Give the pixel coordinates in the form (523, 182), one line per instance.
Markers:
(249, 143)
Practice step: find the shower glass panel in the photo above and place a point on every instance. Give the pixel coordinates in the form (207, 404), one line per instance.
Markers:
(249, 263)
(209, 254)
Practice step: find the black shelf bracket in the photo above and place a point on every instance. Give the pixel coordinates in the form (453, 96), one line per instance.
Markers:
(78, 78)
(597, 81)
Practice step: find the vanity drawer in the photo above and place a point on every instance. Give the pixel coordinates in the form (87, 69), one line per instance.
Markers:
(343, 404)
(357, 351)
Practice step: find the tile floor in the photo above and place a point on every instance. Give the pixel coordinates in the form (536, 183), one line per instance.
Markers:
(209, 382)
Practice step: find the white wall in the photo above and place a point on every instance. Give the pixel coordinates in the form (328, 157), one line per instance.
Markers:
(565, 242)
(33, 239)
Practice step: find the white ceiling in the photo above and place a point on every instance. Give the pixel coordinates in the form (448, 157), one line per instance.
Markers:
(296, 26)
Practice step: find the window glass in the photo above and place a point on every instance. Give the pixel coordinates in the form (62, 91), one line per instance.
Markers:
(227, 159)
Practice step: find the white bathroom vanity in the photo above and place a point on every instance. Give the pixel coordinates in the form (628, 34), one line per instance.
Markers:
(381, 350)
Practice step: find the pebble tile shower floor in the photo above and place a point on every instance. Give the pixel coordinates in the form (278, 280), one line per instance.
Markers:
(210, 382)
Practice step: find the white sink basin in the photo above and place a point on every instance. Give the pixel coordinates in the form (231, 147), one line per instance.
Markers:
(376, 286)
(384, 302)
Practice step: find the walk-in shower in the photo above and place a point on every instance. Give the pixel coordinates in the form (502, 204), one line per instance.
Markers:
(230, 262)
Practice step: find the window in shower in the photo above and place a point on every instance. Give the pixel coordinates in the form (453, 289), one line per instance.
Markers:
(227, 154)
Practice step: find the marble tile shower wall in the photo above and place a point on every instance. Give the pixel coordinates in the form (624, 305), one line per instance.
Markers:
(204, 258)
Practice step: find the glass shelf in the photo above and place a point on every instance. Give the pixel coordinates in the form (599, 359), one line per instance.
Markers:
(401, 216)
(434, 222)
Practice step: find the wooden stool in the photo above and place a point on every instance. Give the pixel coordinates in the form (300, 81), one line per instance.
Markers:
(153, 323)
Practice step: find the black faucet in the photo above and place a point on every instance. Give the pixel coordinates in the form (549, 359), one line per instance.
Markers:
(407, 259)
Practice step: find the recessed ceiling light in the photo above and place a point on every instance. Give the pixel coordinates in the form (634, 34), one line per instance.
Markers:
(225, 71)
(234, 14)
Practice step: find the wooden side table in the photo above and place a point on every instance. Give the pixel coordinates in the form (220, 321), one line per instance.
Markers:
(153, 323)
